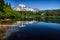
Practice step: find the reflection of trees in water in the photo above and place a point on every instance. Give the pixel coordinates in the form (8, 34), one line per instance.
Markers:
(52, 19)
(42, 18)
(49, 19)
(45, 19)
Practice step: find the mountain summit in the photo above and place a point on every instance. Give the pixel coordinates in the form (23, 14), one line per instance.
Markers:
(22, 7)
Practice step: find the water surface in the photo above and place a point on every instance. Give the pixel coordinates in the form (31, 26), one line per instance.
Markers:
(40, 30)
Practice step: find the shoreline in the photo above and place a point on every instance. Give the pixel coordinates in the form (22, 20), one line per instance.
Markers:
(6, 26)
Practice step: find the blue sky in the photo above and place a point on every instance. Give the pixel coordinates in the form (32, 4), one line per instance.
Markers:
(40, 4)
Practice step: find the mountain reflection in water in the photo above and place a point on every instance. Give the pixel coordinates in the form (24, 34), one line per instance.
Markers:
(38, 31)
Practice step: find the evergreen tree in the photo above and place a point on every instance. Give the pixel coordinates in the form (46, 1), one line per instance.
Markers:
(6, 4)
(2, 5)
(9, 5)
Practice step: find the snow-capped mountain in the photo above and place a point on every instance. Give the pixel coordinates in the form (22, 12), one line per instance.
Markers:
(22, 7)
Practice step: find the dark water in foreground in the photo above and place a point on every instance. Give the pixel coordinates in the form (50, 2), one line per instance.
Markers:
(38, 31)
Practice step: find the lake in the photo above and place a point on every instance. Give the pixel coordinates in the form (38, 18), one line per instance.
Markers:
(44, 29)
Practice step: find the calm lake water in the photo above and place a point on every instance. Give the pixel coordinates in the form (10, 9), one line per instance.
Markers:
(44, 29)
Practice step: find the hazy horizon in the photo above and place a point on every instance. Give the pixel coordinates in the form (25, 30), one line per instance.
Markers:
(40, 4)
